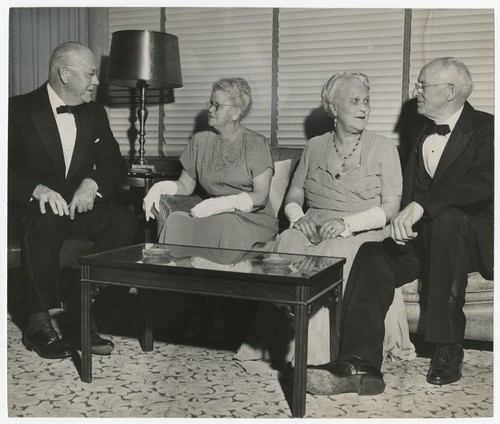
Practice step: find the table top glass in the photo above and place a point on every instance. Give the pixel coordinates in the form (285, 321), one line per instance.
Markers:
(153, 256)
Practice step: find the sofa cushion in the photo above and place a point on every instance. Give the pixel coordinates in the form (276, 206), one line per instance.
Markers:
(478, 290)
(478, 308)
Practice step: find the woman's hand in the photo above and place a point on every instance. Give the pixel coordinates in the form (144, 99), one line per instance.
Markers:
(154, 194)
(331, 228)
(235, 202)
(306, 225)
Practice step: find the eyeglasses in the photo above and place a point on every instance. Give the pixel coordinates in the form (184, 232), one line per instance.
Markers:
(90, 75)
(216, 106)
(419, 87)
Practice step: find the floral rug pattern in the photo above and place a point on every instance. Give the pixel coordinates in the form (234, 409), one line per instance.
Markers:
(182, 381)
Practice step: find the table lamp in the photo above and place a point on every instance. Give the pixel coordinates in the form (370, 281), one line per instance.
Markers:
(144, 59)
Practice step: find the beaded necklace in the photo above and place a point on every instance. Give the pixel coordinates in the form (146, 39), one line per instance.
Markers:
(344, 158)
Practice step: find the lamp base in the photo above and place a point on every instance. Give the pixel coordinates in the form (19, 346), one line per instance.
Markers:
(136, 167)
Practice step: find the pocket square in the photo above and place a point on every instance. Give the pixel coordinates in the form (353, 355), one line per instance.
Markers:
(96, 140)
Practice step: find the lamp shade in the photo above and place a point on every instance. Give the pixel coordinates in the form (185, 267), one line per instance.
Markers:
(144, 56)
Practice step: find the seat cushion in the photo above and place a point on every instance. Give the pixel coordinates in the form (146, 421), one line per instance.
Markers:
(478, 308)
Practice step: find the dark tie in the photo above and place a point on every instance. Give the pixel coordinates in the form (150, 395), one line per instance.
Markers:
(437, 129)
(69, 109)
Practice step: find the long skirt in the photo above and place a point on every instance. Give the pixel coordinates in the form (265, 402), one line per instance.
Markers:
(270, 343)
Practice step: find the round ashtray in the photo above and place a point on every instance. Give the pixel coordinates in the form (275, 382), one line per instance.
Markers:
(278, 270)
(155, 252)
(277, 262)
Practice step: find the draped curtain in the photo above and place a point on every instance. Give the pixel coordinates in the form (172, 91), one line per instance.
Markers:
(35, 32)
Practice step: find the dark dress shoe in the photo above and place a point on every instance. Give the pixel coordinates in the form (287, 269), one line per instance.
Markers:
(446, 365)
(46, 343)
(100, 346)
(349, 375)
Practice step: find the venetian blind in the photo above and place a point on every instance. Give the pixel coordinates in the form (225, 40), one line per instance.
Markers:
(216, 43)
(122, 101)
(314, 44)
(468, 35)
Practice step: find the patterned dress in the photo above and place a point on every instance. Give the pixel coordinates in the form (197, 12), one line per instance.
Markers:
(224, 167)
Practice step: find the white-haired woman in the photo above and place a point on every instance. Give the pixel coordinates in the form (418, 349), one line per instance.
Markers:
(345, 190)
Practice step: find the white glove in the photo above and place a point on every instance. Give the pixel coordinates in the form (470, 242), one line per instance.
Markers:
(239, 202)
(293, 211)
(367, 220)
(154, 194)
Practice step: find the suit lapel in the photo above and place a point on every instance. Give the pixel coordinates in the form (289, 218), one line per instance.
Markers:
(459, 138)
(84, 125)
(410, 170)
(45, 124)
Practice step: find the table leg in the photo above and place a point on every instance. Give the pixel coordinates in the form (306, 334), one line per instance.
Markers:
(300, 369)
(86, 343)
(147, 329)
(335, 311)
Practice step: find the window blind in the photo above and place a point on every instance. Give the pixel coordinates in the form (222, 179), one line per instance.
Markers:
(216, 43)
(314, 44)
(468, 35)
(122, 101)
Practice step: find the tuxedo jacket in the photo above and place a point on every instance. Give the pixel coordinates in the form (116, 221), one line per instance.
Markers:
(464, 177)
(36, 154)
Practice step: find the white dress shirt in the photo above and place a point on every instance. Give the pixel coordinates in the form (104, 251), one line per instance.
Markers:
(66, 125)
(434, 144)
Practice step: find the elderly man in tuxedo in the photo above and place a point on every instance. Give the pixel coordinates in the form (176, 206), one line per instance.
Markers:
(443, 232)
(64, 166)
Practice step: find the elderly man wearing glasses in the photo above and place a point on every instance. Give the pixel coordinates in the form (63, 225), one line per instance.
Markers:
(443, 232)
(64, 170)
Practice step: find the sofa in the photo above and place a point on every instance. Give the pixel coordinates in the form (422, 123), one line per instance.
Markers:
(479, 295)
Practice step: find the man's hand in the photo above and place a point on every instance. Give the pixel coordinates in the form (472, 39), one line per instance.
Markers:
(46, 195)
(402, 223)
(83, 199)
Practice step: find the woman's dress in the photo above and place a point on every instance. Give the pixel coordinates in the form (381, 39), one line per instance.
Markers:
(224, 167)
(373, 174)
(221, 167)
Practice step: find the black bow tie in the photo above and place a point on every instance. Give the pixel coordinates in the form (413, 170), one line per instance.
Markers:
(68, 109)
(437, 129)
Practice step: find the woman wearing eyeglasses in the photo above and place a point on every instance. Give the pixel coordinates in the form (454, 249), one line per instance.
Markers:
(234, 167)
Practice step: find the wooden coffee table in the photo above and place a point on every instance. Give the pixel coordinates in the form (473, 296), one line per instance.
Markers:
(295, 280)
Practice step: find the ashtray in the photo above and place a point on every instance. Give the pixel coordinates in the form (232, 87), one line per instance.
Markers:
(155, 252)
(277, 262)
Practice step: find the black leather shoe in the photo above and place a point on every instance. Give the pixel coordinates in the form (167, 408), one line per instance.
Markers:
(100, 346)
(46, 342)
(350, 375)
(446, 365)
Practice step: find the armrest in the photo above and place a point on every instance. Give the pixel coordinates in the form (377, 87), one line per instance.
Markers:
(169, 204)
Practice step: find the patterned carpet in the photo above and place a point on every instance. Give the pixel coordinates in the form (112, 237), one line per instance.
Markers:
(184, 381)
